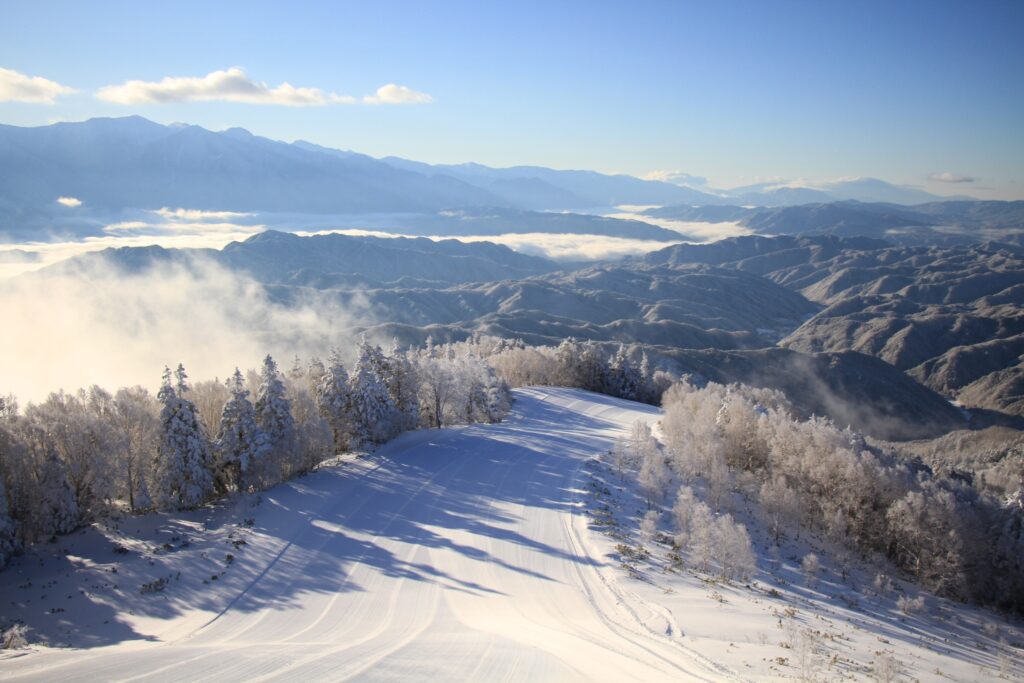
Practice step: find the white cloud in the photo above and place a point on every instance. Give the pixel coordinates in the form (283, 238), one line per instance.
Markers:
(197, 214)
(947, 177)
(397, 94)
(676, 178)
(17, 87)
(233, 85)
(71, 202)
(352, 232)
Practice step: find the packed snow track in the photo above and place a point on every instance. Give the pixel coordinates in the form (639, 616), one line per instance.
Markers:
(454, 554)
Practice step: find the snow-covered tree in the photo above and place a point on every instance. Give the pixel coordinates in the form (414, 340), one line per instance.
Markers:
(485, 395)
(136, 426)
(810, 566)
(403, 387)
(781, 505)
(372, 410)
(925, 530)
(569, 355)
(274, 417)
(529, 366)
(182, 476)
(209, 398)
(334, 399)
(703, 536)
(649, 525)
(241, 442)
(57, 508)
(314, 439)
(438, 389)
(623, 378)
(639, 436)
(682, 513)
(78, 428)
(733, 549)
(653, 474)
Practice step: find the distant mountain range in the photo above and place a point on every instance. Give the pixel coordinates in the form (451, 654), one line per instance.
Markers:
(930, 223)
(116, 164)
(859, 189)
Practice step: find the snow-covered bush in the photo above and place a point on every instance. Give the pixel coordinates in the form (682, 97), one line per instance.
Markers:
(15, 638)
(909, 605)
(649, 525)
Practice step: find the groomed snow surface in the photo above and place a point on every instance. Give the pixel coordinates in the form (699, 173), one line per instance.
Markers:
(461, 554)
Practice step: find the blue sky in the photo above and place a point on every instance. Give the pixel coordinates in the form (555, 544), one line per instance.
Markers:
(737, 92)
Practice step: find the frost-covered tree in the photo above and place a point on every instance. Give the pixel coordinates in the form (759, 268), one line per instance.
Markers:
(925, 530)
(651, 383)
(781, 505)
(682, 513)
(274, 417)
(810, 566)
(1006, 577)
(182, 476)
(653, 475)
(486, 396)
(702, 536)
(209, 398)
(241, 443)
(438, 388)
(738, 421)
(334, 399)
(530, 366)
(719, 481)
(372, 411)
(57, 508)
(649, 525)
(711, 540)
(78, 428)
(136, 424)
(314, 439)
(733, 549)
(19, 474)
(623, 378)
(639, 437)
(403, 387)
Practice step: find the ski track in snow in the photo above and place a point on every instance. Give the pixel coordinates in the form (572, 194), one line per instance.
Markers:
(455, 554)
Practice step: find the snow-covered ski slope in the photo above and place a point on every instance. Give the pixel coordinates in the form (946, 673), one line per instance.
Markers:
(455, 554)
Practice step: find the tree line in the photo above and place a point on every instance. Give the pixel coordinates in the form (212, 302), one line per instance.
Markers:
(76, 457)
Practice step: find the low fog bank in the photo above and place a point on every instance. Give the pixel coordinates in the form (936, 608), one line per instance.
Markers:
(690, 231)
(63, 232)
(116, 330)
(571, 248)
